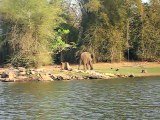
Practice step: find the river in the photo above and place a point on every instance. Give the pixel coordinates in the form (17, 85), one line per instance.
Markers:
(116, 99)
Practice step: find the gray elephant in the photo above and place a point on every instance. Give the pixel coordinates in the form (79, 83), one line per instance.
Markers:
(86, 60)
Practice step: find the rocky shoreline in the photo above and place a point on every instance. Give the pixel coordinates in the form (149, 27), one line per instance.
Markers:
(21, 74)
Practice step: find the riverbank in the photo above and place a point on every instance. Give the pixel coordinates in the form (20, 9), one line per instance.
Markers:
(138, 69)
(101, 71)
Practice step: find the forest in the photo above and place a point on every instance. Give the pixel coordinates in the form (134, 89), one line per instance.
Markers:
(44, 32)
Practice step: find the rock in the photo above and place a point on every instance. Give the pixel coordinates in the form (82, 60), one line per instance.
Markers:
(21, 79)
(90, 72)
(66, 77)
(65, 66)
(6, 80)
(98, 76)
(21, 69)
(53, 77)
(7, 65)
(109, 74)
(121, 75)
(22, 73)
(12, 75)
(77, 78)
(62, 66)
(68, 67)
(80, 78)
(81, 71)
(44, 77)
(28, 72)
(75, 70)
(59, 78)
(16, 71)
(33, 72)
(131, 75)
(8, 76)
(63, 77)
(39, 70)
(4, 75)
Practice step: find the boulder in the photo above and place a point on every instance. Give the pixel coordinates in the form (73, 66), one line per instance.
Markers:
(21, 79)
(63, 77)
(12, 75)
(45, 77)
(131, 75)
(33, 72)
(39, 70)
(110, 74)
(98, 76)
(121, 75)
(4, 75)
(59, 78)
(65, 66)
(66, 77)
(6, 80)
(68, 67)
(81, 71)
(9, 74)
(22, 73)
(21, 69)
(80, 78)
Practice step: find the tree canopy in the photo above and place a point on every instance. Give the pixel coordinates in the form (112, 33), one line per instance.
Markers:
(112, 30)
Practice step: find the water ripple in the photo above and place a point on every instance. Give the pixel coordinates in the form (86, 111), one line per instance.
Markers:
(81, 100)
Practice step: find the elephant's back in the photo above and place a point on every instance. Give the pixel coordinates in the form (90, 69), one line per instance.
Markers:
(86, 57)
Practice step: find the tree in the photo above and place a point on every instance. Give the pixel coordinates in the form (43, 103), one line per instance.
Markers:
(151, 32)
(29, 29)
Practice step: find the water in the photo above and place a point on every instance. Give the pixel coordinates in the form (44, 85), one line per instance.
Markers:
(119, 99)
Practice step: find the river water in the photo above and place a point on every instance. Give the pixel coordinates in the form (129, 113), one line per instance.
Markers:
(116, 99)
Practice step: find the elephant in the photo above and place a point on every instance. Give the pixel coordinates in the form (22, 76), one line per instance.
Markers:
(85, 59)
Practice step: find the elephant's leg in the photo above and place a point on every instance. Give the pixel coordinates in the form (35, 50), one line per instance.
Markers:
(87, 67)
(91, 66)
(84, 67)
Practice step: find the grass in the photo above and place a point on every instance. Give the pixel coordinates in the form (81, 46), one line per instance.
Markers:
(127, 68)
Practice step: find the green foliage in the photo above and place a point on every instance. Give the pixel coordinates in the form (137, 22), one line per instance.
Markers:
(112, 30)
(93, 5)
(150, 33)
(59, 44)
(113, 27)
(29, 29)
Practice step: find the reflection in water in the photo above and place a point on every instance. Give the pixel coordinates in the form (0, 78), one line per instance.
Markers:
(86, 100)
